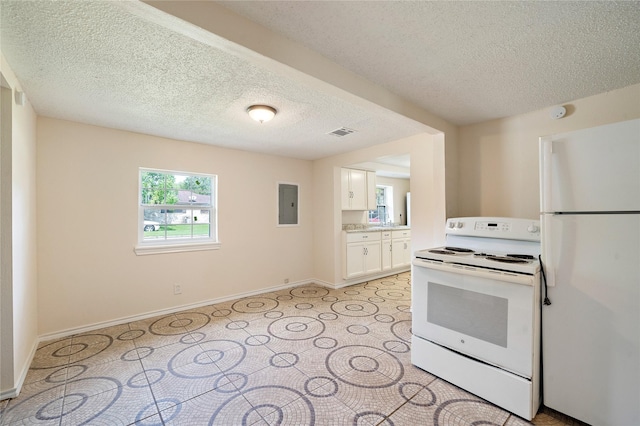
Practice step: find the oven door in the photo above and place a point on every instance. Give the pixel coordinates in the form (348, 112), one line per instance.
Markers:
(486, 315)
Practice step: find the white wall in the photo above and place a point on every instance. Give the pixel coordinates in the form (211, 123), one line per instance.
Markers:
(87, 226)
(498, 159)
(18, 292)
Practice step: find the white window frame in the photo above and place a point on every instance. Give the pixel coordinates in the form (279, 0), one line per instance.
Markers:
(175, 245)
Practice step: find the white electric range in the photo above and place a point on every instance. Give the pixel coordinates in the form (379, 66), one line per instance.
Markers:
(476, 310)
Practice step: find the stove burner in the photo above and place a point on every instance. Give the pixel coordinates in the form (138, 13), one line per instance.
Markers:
(439, 251)
(459, 250)
(507, 259)
(522, 256)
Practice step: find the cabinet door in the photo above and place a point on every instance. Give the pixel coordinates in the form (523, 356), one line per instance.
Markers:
(346, 189)
(386, 254)
(355, 259)
(407, 252)
(372, 258)
(399, 251)
(358, 185)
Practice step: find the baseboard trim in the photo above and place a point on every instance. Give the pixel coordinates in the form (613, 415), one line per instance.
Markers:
(15, 391)
(365, 278)
(123, 320)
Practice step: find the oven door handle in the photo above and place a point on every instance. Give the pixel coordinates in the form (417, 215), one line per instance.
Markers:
(454, 268)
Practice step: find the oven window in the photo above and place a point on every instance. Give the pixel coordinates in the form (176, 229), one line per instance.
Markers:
(474, 314)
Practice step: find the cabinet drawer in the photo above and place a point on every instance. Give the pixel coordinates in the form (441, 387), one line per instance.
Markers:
(403, 233)
(386, 235)
(356, 237)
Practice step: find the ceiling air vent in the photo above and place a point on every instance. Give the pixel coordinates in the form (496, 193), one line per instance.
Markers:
(342, 131)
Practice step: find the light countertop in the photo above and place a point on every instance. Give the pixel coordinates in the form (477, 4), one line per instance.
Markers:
(379, 228)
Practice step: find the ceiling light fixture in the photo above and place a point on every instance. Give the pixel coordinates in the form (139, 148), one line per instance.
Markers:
(261, 113)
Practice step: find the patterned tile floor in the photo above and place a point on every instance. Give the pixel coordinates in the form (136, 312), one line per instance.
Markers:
(301, 356)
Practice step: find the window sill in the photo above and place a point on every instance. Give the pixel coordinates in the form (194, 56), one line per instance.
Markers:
(146, 249)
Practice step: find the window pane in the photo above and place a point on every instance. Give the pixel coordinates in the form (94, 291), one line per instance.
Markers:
(201, 216)
(202, 185)
(380, 196)
(201, 230)
(171, 196)
(152, 179)
(152, 226)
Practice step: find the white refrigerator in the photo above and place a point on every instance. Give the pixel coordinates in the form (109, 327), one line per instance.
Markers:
(590, 219)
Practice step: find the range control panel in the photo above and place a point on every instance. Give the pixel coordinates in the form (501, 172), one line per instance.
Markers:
(495, 227)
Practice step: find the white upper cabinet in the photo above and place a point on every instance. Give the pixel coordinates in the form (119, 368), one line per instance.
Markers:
(358, 189)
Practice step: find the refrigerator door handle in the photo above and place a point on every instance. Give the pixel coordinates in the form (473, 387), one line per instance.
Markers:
(546, 152)
(546, 249)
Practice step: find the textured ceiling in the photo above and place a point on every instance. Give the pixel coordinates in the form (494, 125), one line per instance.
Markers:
(130, 66)
(469, 61)
(124, 65)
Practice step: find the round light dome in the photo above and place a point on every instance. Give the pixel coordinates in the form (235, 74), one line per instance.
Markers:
(261, 113)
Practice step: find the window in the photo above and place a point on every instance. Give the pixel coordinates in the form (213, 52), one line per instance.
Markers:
(177, 211)
(383, 213)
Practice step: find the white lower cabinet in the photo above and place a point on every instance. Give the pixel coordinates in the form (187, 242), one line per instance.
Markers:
(363, 254)
(387, 248)
(368, 253)
(400, 248)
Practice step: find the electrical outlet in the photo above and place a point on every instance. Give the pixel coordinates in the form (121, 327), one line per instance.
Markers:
(286, 280)
(177, 289)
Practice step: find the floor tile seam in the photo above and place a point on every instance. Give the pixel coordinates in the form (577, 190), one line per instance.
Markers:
(184, 402)
(97, 359)
(121, 385)
(407, 401)
(266, 345)
(262, 415)
(146, 323)
(154, 337)
(310, 397)
(468, 398)
(224, 337)
(309, 376)
(247, 332)
(153, 396)
(370, 333)
(4, 422)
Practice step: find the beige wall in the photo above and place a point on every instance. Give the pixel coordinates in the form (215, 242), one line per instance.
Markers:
(498, 160)
(18, 296)
(87, 226)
